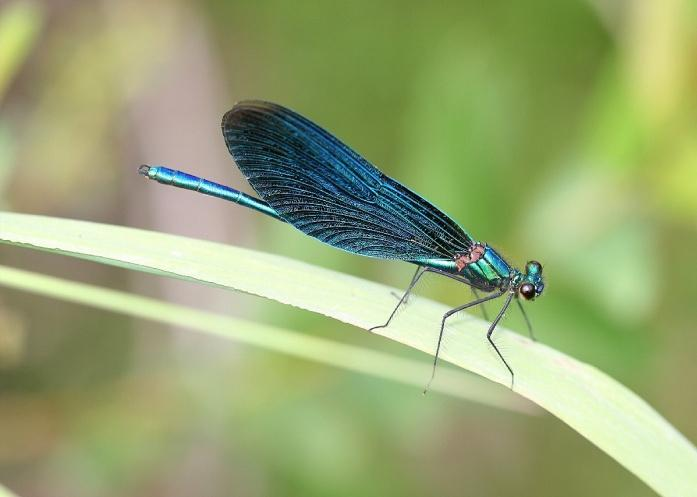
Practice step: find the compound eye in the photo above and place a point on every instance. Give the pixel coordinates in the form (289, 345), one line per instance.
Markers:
(534, 267)
(527, 290)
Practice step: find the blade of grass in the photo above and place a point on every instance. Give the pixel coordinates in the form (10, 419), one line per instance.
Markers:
(5, 492)
(602, 410)
(315, 349)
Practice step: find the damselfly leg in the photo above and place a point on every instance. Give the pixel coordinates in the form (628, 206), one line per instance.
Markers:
(527, 321)
(485, 314)
(411, 283)
(442, 329)
(491, 330)
(417, 276)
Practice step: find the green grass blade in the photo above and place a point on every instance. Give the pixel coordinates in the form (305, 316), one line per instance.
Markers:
(381, 365)
(602, 410)
(5, 492)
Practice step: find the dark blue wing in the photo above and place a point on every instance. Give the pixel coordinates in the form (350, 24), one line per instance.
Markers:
(328, 191)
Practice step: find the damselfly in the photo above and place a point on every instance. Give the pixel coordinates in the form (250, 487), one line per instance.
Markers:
(308, 178)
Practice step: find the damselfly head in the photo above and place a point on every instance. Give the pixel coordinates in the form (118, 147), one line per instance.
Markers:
(532, 284)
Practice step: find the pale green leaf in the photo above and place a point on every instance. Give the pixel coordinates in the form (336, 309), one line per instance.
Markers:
(371, 362)
(5, 492)
(602, 410)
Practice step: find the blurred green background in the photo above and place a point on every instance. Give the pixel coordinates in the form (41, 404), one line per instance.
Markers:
(560, 131)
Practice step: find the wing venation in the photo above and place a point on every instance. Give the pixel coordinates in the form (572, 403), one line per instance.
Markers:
(326, 190)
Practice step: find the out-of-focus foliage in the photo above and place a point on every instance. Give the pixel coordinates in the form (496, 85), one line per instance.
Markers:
(560, 131)
(19, 28)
